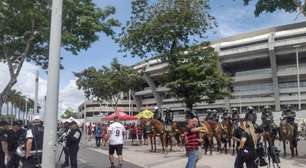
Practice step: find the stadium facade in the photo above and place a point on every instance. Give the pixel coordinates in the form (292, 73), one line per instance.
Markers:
(267, 67)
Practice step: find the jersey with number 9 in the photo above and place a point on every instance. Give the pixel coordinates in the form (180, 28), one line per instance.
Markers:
(116, 130)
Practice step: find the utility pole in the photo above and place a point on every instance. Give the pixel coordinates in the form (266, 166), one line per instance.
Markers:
(85, 129)
(129, 102)
(49, 145)
(36, 92)
(26, 112)
(298, 76)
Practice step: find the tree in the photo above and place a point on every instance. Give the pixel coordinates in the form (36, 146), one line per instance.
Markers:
(197, 77)
(25, 30)
(69, 112)
(108, 82)
(273, 5)
(164, 27)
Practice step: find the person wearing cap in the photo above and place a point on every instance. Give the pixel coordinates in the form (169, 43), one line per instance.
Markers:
(115, 136)
(4, 154)
(73, 141)
(16, 136)
(251, 115)
(34, 144)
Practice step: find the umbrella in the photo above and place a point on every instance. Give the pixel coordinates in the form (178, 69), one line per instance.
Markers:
(121, 115)
(147, 114)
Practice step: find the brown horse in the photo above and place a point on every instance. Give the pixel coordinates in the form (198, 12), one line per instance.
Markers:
(227, 133)
(286, 133)
(207, 136)
(157, 129)
(178, 133)
(217, 132)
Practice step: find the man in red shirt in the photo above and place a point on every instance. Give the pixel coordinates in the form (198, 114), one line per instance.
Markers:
(192, 144)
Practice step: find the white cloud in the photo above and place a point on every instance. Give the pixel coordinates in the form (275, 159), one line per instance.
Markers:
(69, 95)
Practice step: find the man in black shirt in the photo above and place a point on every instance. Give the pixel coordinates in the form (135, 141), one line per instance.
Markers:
(15, 136)
(4, 155)
(73, 141)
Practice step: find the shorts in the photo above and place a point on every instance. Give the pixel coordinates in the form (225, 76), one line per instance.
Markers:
(117, 148)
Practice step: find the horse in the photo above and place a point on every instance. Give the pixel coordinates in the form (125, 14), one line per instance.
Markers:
(207, 136)
(286, 133)
(217, 132)
(178, 133)
(227, 133)
(157, 129)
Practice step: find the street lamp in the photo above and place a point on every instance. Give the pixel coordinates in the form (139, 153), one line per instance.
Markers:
(298, 75)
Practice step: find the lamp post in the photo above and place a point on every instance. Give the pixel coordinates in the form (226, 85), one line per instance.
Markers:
(298, 75)
(49, 145)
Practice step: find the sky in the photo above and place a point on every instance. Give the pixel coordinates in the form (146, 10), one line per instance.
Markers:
(231, 16)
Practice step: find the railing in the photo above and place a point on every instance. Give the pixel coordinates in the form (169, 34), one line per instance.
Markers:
(254, 72)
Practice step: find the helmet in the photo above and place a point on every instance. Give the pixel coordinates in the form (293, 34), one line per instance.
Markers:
(288, 107)
(214, 111)
(250, 109)
(209, 111)
(234, 110)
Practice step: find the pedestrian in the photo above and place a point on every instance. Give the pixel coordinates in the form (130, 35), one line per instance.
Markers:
(133, 133)
(104, 134)
(34, 144)
(192, 143)
(73, 141)
(4, 154)
(115, 136)
(139, 134)
(246, 150)
(16, 136)
(98, 135)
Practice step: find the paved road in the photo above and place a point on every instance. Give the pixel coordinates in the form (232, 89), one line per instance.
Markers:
(88, 158)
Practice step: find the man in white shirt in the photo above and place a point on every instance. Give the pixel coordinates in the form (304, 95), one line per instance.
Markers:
(115, 136)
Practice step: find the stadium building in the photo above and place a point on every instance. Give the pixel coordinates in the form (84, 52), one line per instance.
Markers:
(267, 67)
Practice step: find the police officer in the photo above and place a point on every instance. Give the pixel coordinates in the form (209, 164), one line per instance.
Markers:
(63, 137)
(209, 115)
(235, 115)
(289, 116)
(215, 116)
(168, 118)
(225, 115)
(4, 154)
(34, 144)
(251, 115)
(267, 116)
(73, 141)
(16, 136)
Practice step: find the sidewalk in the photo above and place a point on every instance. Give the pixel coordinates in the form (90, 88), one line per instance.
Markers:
(141, 156)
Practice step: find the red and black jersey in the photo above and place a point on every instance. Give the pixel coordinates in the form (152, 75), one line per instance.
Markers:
(192, 140)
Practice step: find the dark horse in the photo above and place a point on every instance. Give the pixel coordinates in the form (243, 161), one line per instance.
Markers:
(286, 133)
(178, 133)
(157, 129)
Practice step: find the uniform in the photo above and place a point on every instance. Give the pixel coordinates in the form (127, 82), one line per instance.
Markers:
(15, 138)
(73, 141)
(63, 137)
(116, 138)
(251, 115)
(168, 119)
(3, 138)
(36, 133)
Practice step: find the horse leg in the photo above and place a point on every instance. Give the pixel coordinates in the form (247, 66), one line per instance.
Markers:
(154, 143)
(210, 143)
(284, 145)
(292, 148)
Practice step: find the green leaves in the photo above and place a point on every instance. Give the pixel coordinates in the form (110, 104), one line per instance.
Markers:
(197, 77)
(69, 112)
(271, 6)
(106, 83)
(163, 27)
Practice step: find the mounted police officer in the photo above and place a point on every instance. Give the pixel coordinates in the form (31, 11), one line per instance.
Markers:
(168, 119)
(16, 136)
(73, 141)
(251, 115)
(215, 115)
(209, 115)
(226, 115)
(235, 116)
(34, 144)
(267, 117)
(4, 154)
(289, 116)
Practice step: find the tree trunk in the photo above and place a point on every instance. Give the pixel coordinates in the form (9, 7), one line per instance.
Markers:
(7, 109)
(1, 108)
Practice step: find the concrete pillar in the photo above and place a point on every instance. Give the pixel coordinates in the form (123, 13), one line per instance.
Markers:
(152, 85)
(272, 57)
(226, 98)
